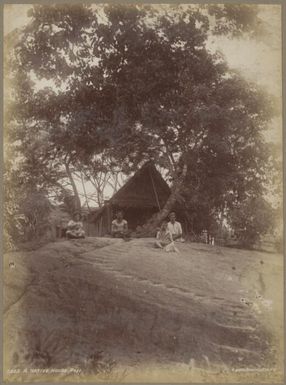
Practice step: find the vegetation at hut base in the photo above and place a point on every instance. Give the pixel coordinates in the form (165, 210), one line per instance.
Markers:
(136, 83)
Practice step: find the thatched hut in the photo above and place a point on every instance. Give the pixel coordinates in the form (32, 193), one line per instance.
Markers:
(144, 194)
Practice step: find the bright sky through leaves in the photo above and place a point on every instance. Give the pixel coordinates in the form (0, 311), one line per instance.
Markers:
(259, 61)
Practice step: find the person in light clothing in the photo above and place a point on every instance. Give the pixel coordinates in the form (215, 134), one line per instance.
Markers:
(75, 227)
(164, 239)
(119, 226)
(175, 228)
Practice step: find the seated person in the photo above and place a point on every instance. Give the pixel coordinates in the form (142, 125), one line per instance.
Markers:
(175, 228)
(164, 239)
(61, 228)
(119, 226)
(75, 227)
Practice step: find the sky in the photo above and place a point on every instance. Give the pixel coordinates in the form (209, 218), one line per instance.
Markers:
(257, 61)
(261, 62)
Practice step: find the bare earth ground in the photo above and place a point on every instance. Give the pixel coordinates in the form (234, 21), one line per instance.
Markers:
(115, 311)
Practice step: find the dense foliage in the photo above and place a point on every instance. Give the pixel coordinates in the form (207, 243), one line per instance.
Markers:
(138, 83)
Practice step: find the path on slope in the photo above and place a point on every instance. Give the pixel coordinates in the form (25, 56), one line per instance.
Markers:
(73, 302)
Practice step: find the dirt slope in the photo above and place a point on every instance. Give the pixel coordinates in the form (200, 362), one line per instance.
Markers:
(107, 306)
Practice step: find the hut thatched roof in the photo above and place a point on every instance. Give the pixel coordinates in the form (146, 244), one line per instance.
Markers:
(143, 195)
(146, 188)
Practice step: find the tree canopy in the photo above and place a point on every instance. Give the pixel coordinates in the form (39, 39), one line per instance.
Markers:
(138, 83)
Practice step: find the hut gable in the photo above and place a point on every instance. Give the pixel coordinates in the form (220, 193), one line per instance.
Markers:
(144, 194)
(146, 188)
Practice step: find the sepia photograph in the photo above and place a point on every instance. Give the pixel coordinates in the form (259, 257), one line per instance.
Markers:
(143, 193)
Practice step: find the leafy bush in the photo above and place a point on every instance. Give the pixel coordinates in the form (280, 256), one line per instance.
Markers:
(251, 219)
(26, 220)
(35, 208)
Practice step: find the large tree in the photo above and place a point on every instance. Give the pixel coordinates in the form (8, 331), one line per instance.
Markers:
(139, 82)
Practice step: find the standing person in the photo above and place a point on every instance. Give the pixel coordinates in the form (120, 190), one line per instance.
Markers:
(164, 239)
(75, 227)
(119, 226)
(175, 228)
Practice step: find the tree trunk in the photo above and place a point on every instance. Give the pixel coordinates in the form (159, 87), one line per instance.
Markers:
(149, 229)
(84, 191)
(72, 182)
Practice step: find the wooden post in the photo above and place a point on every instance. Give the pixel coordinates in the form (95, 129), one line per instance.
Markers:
(100, 227)
(109, 216)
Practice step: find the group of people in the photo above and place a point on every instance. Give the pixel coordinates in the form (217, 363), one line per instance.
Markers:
(167, 234)
(119, 227)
